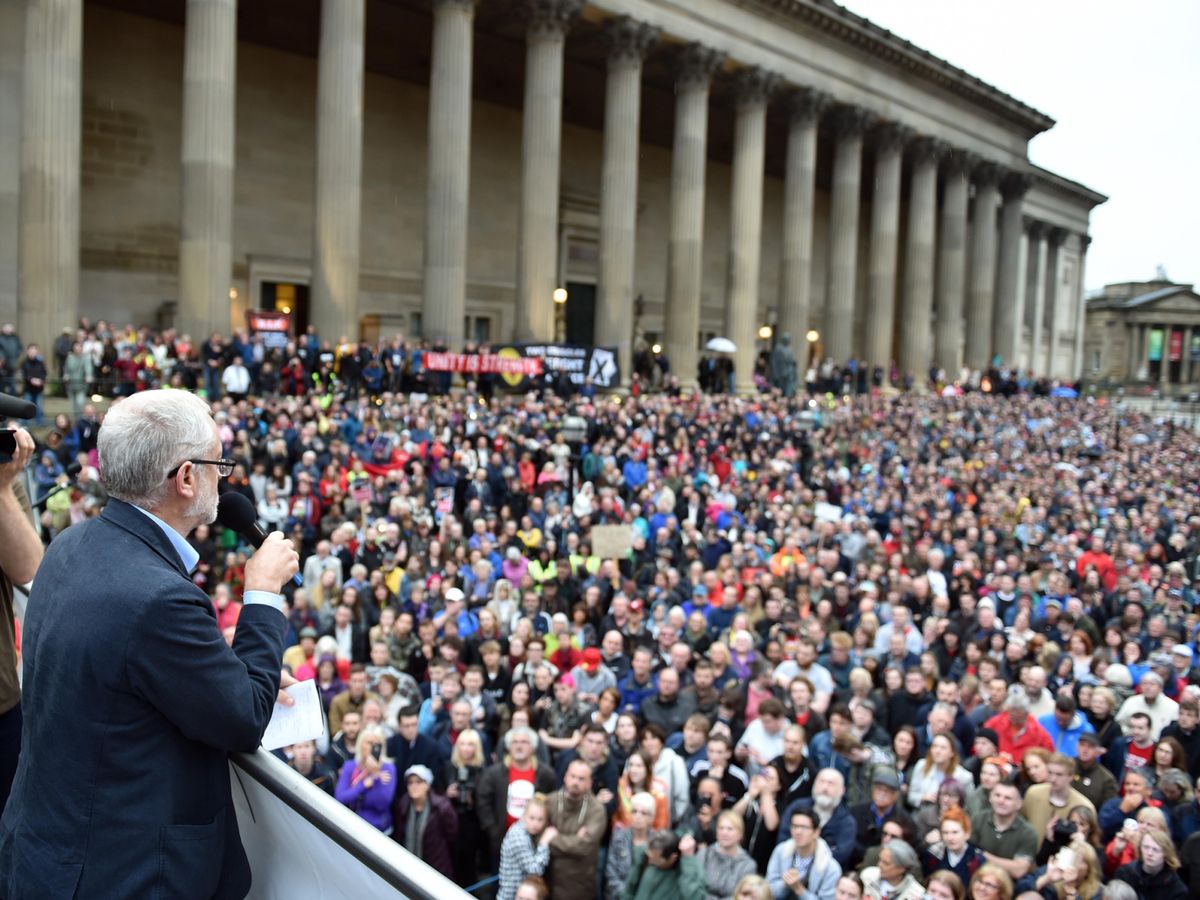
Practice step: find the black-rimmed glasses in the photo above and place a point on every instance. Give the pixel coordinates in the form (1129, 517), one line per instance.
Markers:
(224, 466)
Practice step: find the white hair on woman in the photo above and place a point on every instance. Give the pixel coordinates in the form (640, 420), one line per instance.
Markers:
(147, 435)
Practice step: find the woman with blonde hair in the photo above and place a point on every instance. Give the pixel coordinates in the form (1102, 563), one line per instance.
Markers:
(726, 863)
(990, 882)
(755, 887)
(526, 847)
(1154, 873)
(1073, 873)
(368, 782)
(940, 764)
(461, 777)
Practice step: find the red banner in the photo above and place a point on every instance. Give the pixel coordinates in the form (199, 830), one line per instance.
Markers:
(1176, 346)
(485, 363)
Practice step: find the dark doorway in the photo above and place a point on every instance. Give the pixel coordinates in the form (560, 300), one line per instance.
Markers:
(581, 313)
(286, 297)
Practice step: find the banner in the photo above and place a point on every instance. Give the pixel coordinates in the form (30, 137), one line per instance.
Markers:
(275, 327)
(1195, 350)
(578, 362)
(1156, 345)
(502, 363)
(612, 541)
(1175, 348)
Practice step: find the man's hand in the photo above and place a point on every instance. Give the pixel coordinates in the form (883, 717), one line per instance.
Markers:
(272, 565)
(285, 681)
(20, 458)
(791, 878)
(1131, 801)
(687, 845)
(604, 796)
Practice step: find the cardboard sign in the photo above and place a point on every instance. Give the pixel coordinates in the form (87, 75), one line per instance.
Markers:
(827, 512)
(612, 541)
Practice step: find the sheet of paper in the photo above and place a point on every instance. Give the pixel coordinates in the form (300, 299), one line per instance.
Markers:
(303, 721)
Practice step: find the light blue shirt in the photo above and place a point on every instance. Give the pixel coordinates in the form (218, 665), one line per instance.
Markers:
(189, 557)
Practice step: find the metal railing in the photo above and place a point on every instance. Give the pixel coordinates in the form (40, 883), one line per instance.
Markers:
(303, 843)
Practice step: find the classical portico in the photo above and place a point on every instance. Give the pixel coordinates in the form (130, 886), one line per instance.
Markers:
(1144, 334)
(440, 167)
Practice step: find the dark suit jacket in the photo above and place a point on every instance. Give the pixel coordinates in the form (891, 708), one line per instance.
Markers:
(132, 703)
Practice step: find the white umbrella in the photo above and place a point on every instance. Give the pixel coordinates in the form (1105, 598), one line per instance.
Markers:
(721, 345)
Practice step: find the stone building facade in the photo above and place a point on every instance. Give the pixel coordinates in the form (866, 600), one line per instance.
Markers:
(440, 168)
(1144, 333)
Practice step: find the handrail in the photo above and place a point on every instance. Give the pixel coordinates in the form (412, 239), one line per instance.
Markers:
(389, 861)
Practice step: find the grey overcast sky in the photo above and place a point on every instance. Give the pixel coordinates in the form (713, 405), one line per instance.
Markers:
(1121, 80)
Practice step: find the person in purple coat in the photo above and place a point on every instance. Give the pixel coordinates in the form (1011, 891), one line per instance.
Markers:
(368, 782)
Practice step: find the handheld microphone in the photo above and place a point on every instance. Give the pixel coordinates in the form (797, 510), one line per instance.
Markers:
(236, 512)
(15, 408)
(71, 472)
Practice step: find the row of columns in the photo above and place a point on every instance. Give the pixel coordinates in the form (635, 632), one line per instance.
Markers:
(983, 317)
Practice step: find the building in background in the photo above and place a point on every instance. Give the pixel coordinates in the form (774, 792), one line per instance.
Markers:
(441, 167)
(1144, 333)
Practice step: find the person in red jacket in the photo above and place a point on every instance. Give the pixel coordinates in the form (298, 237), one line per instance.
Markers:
(1017, 730)
(1096, 558)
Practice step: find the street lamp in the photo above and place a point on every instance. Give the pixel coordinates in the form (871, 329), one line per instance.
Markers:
(813, 337)
(764, 333)
(656, 349)
(560, 314)
(560, 295)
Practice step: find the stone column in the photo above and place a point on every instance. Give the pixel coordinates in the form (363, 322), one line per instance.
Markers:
(447, 190)
(916, 345)
(537, 243)
(849, 122)
(799, 190)
(981, 289)
(885, 238)
(628, 42)
(206, 209)
(1081, 312)
(1010, 285)
(334, 308)
(1135, 345)
(12, 63)
(1054, 297)
(752, 86)
(48, 253)
(1036, 295)
(1143, 372)
(685, 243)
(952, 264)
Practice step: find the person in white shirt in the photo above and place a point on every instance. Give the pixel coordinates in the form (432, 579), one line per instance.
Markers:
(1153, 702)
(762, 740)
(236, 379)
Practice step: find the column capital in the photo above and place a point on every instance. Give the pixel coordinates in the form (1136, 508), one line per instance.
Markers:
(891, 135)
(851, 121)
(463, 5)
(1086, 240)
(987, 173)
(927, 150)
(629, 40)
(1014, 186)
(960, 162)
(807, 104)
(754, 84)
(1057, 235)
(550, 18)
(1036, 229)
(696, 64)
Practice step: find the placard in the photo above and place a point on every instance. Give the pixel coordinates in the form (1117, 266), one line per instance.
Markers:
(612, 541)
(827, 512)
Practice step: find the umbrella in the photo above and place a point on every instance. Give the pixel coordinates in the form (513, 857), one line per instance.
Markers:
(721, 345)
(1065, 393)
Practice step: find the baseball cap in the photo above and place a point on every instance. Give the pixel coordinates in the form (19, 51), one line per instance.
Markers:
(568, 679)
(420, 771)
(637, 605)
(1089, 737)
(591, 659)
(1182, 650)
(454, 595)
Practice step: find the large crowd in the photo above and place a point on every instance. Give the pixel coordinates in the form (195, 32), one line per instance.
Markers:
(854, 645)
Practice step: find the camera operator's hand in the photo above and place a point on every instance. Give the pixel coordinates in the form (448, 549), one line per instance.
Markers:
(20, 458)
(272, 565)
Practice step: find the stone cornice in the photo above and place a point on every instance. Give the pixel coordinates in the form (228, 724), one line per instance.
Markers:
(879, 43)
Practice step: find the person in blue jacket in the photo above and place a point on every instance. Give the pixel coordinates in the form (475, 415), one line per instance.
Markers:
(1065, 725)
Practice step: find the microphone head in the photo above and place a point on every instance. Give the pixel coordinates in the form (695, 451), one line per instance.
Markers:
(74, 469)
(15, 408)
(236, 512)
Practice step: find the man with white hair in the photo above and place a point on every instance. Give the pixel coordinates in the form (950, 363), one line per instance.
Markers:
(1017, 729)
(320, 562)
(149, 681)
(901, 623)
(1153, 702)
(837, 822)
(1041, 701)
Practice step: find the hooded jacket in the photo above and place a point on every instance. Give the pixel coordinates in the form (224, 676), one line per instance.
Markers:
(822, 876)
(723, 872)
(1066, 740)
